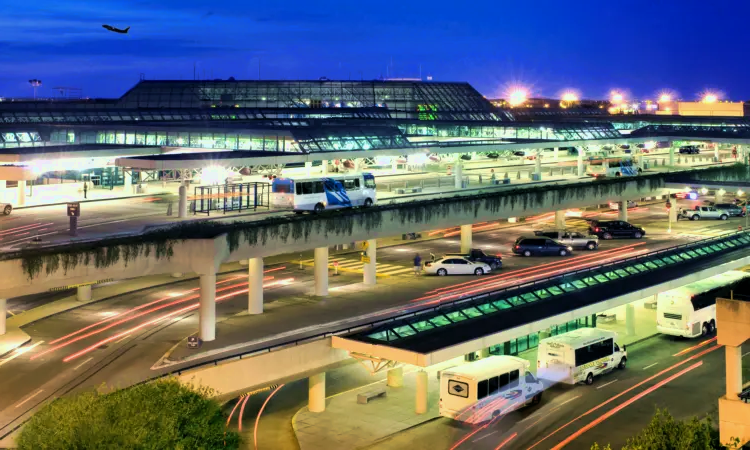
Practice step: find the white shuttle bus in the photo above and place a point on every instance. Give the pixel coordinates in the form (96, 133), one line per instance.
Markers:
(579, 355)
(478, 391)
(690, 310)
(326, 192)
(613, 167)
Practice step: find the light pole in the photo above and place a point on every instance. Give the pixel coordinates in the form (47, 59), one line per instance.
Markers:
(35, 84)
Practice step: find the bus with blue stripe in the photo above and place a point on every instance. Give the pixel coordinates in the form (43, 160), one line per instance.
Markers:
(613, 167)
(316, 194)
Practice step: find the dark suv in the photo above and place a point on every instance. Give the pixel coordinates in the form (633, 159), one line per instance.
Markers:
(690, 150)
(476, 255)
(615, 229)
(540, 246)
(732, 209)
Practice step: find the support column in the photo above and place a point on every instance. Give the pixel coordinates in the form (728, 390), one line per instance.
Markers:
(83, 293)
(182, 204)
(538, 166)
(128, 180)
(3, 313)
(458, 170)
(357, 165)
(630, 319)
(308, 168)
(255, 286)
(207, 312)
(624, 211)
(671, 155)
(21, 193)
(719, 196)
(557, 154)
(324, 167)
(734, 371)
(396, 377)
(421, 400)
(394, 164)
(716, 152)
(581, 167)
(369, 269)
(316, 396)
(321, 271)
(484, 353)
(466, 238)
(560, 220)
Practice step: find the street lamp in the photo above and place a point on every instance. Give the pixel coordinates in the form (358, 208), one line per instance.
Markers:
(35, 84)
(710, 98)
(665, 98)
(517, 97)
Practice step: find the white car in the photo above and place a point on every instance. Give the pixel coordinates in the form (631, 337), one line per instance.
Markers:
(455, 265)
(6, 208)
(704, 212)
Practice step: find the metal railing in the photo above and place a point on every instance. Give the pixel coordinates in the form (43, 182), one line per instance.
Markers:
(448, 304)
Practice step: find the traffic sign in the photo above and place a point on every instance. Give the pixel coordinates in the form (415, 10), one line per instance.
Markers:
(194, 342)
(366, 259)
(74, 209)
(365, 245)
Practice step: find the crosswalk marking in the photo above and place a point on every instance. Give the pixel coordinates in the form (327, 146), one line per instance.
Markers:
(352, 265)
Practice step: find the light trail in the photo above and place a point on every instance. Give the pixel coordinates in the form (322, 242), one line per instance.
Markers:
(242, 411)
(164, 317)
(615, 397)
(257, 418)
(510, 438)
(695, 347)
(31, 227)
(625, 404)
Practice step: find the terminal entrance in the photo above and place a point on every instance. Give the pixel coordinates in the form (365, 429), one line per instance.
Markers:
(231, 197)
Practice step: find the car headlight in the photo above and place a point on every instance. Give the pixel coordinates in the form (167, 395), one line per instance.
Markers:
(570, 248)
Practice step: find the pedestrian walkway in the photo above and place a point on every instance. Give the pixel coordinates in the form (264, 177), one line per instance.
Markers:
(347, 425)
(354, 266)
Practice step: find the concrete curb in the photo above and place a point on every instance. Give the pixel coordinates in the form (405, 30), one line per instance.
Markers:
(643, 339)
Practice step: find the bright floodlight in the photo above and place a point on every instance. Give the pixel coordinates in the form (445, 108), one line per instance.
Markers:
(617, 97)
(517, 97)
(665, 98)
(740, 193)
(570, 97)
(704, 191)
(710, 98)
(214, 175)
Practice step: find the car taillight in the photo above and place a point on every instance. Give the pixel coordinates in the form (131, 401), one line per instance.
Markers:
(517, 247)
(427, 264)
(597, 229)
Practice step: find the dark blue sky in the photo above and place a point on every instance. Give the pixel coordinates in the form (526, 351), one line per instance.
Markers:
(641, 46)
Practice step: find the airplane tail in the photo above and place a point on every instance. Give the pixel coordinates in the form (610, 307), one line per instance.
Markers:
(127, 29)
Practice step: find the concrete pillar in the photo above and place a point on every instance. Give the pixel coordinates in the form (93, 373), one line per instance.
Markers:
(466, 238)
(716, 153)
(3, 313)
(255, 286)
(84, 293)
(560, 220)
(182, 205)
(538, 164)
(734, 371)
(308, 168)
(581, 167)
(396, 377)
(394, 164)
(671, 155)
(207, 311)
(624, 211)
(324, 167)
(421, 400)
(177, 274)
(128, 180)
(557, 154)
(357, 165)
(719, 196)
(321, 271)
(484, 353)
(458, 171)
(630, 319)
(317, 392)
(21, 193)
(370, 269)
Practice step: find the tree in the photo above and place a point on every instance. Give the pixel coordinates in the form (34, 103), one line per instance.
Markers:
(666, 433)
(163, 414)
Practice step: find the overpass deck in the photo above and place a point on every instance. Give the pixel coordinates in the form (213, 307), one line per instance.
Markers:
(433, 330)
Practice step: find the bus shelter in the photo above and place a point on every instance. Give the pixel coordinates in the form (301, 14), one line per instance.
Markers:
(231, 197)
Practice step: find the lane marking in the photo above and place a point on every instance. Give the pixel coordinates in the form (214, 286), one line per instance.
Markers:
(510, 438)
(123, 338)
(652, 365)
(79, 365)
(486, 435)
(29, 398)
(607, 384)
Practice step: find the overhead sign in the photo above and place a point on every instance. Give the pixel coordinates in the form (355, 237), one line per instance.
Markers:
(194, 342)
(74, 209)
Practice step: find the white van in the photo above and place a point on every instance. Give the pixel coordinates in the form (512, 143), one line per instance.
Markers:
(579, 355)
(690, 310)
(478, 391)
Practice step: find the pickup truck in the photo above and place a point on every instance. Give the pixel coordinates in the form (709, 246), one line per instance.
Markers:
(475, 255)
(6, 208)
(704, 212)
(571, 238)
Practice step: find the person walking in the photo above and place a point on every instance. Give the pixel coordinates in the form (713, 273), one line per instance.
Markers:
(417, 265)
(85, 190)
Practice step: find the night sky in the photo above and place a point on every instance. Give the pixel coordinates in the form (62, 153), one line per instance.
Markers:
(640, 46)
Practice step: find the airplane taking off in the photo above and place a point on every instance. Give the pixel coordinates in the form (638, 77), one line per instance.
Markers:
(116, 30)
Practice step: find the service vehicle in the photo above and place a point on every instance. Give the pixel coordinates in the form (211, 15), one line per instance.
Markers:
(704, 212)
(579, 356)
(613, 167)
(315, 194)
(481, 390)
(690, 311)
(571, 238)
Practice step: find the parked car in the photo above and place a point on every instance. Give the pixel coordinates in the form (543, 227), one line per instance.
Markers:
(475, 255)
(731, 208)
(540, 246)
(614, 229)
(6, 208)
(456, 265)
(571, 238)
(704, 212)
(690, 150)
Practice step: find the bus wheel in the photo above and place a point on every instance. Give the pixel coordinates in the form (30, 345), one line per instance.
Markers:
(705, 330)
(319, 208)
(495, 413)
(618, 174)
(590, 379)
(712, 326)
(368, 202)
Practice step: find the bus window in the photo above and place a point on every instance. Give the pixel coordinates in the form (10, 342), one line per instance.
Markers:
(305, 188)
(513, 379)
(351, 184)
(482, 389)
(494, 385)
(370, 183)
(317, 187)
(504, 380)
(282, 187)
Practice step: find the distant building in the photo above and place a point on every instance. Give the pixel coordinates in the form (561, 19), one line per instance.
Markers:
(703, 109)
